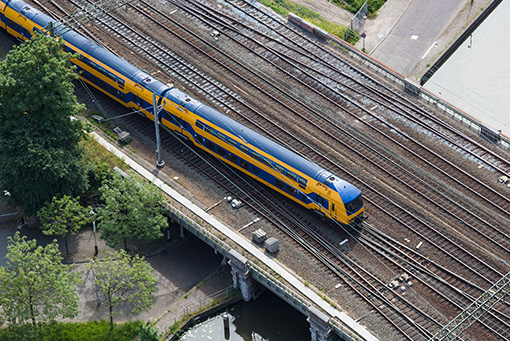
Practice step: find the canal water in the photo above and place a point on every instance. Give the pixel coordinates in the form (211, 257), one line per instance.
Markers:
(476, 78)
(266, 318)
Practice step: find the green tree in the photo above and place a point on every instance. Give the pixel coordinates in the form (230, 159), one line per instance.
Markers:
(133, 210)
(34, 284)
(148, 332)
(40, 155)
(120, 277)
(62, 216)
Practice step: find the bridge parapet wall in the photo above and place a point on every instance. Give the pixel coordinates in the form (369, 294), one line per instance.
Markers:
(244, 272)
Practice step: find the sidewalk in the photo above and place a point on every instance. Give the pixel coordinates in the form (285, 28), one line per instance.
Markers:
(409, 35)
(188, 271)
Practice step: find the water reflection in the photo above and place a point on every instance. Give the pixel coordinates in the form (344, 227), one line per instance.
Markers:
(476, 78)
(265, 319)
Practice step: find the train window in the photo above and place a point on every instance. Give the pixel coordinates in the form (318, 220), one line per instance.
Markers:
(221, 152)
(209, 145)
(120, 81)
(291, 175)
(112, 90)
(352, 206)
(302, 182)
(101, 83)
(244, 164)
(323, 202)
(291, 190)
(122, 96)
(93, 78)
(232, 142)
(244, 149)
(279, 184)
(267, 161)
(221, 136)
(232, 157)
(209, 130)
(199, 125)
(91, 63)
(102, 70)
(255, 170)
(255, 155)
(112, 76)
(333, 207)
(279, 168)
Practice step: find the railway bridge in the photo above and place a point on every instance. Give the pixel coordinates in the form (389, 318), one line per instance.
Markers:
(326, 321)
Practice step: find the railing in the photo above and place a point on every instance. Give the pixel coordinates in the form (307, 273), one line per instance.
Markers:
(502, 140)
(272, 283)
(197, 306)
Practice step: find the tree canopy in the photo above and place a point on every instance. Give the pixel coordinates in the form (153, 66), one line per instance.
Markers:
(120, 277)
(133, 210)
(34, 284)
(39, 152)
(62, 216)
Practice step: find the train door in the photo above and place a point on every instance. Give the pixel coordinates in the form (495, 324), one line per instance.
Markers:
(137, 101)
(333, 211)
(323, 204)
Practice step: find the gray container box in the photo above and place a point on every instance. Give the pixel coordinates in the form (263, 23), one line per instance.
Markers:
(272, 245)
(259, 236)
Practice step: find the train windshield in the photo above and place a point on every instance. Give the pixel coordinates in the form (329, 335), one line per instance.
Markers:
(354, 205)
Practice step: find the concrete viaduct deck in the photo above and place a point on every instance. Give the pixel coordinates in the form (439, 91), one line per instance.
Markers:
(325, 320)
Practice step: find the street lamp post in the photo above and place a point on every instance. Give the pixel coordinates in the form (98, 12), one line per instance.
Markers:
(98, 301)
(364, 34)
(96, 251)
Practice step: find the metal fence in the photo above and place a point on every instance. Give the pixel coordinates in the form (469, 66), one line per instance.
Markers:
(195, 307)
(358, 20)
(424, 94)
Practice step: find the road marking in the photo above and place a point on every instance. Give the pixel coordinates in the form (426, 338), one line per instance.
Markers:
(430, 48)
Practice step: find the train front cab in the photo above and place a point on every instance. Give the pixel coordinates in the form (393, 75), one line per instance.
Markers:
(346, 204)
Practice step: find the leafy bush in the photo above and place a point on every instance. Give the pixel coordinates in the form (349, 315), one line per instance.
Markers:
(284, 7)
(71, 331)
(353, 6)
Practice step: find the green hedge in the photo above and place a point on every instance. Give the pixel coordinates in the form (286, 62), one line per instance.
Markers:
(353, 6)
(284, 7)
(71, 331)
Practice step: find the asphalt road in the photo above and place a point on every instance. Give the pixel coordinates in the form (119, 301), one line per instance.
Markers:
(414, 35)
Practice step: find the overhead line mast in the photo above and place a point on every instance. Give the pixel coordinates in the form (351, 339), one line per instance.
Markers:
(473, 312)
(84, 16)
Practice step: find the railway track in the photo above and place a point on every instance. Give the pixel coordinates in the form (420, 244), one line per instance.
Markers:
(231, 103)
(364, 96)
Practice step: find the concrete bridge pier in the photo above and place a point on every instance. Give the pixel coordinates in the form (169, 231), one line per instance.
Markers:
(241, 275)
(319, 326)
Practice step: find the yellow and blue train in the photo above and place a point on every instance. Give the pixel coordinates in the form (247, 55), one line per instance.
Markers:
(282, 170)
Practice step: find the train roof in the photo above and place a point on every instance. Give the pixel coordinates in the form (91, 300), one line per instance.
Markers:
(218, 119)
(347, 191)
(251, 137)
(90, 48)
